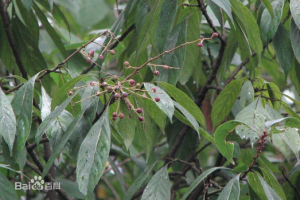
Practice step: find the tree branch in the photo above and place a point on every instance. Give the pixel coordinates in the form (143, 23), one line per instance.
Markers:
(238, 68)
(208, 19)
(9, 35)
(114, 45)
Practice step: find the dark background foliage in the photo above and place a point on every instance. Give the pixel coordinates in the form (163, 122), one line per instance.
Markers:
(150, 99)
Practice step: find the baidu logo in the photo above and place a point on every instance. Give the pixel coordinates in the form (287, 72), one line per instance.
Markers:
(37, 183)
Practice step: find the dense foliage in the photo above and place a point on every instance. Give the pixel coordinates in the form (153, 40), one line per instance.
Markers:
(150, 99)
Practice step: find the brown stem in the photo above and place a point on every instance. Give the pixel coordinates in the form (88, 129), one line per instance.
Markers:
(288, 180)
(114, 45)
(9, 35)
(262, 139)
(208, 19)
(238, 68)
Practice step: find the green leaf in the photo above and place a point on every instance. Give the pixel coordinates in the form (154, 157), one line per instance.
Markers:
(230, 50)
(62, 93)
(290, 134)
(247, 94)
(55, 132)
(22, 106)
(289, 121)
(206, 135)
(149, 26)
(270, 193)
(290, 111)
(268, 6)
(294, 177)
(273, 183)
(93, 154)
(185, 101)
(182, 118)
(269, 24)
(126, 126)
(225, 5)
(31, 57)
(51, 117)
(188, 116)
(7, 191)
(117, 172)
(27, 4)
(6, 54)
(148, 132)
(192, 51)
(248, 25)
(74, 126)
(198, 180)
(231, 190)
(256, 185)
(159, 186)
(295, 10)
(295, 38)
(244, 46)
(272, 87)
(226, 148)
(158, 116)
(255, 116)
(30, 20)
(166, 18)
(7, 121)
(283, 49)
(225, 101)
(52, 33)
(175, 58)
(165, 104)
(138, 182)
(45, 104)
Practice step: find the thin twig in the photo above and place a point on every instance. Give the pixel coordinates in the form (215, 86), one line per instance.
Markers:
(288, 180)
(122, 37)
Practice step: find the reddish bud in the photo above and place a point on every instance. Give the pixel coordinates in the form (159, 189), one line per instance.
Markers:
(114, 77)
(91, 53)
(122, 116)
(101, 57)
(141, 118)
(139, 110)
(166, 67)
(89, 60)
(117, 95)
(104, 84)
(109, 89)
(70, 93)
(157, 99)
(114, 118)
(215, 34)
(112, 52)
(92, 83)
(200, 44)
(126, 63)
(156, 73)
(131, 82)
(125, 94)
(115, 114)
(154, 89)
